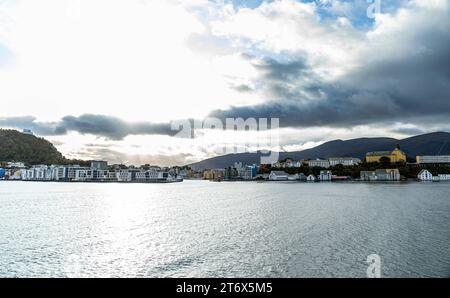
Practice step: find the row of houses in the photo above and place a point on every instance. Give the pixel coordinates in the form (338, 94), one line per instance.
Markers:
(425, 175)
(433, 159)
(381, 175)
(321, 163)
(237, 172)
(394, 156)
(283, 176)
(97, 172)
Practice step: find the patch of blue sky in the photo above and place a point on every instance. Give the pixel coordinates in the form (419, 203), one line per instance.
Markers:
(354, 10)
(6, 57)
(246, 3)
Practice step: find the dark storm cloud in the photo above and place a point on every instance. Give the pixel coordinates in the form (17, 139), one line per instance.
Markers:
(99, 125)
(284, 79)
(388, 89)
(281, 71)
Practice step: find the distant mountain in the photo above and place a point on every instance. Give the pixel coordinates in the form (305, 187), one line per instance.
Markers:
(16, 146)
(437, 143)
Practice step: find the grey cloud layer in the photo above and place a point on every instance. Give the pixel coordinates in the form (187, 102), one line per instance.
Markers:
(388, 90)
(405, 79)
(99, 125)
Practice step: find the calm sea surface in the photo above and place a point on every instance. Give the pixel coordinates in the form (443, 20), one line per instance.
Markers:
(235, 229)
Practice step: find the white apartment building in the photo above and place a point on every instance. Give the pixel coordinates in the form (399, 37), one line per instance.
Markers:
(381, 175)
(69, 172)
(325, 176)
(425, 175)
(444, 177)
(433, 159)
(321, 163)
(345, 161)
(91, 174)
(124, 176)
(40, 172)
(83, 174)
(151, 174)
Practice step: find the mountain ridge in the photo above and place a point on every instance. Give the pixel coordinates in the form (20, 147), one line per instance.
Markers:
(435, 143)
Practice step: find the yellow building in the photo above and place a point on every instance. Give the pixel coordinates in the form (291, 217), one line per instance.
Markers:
(396, 155)
(214, 174)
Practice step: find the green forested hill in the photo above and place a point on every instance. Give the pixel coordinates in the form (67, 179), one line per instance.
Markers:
(16, 146)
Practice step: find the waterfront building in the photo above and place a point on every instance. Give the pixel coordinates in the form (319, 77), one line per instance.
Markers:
(388, 174)
(436, 159)
(394, 156)
(68, 173)
(151, 174)
(345, 161)
(367, 175)
(425, 175)
(311, 178)
(278, 176)
(71, 172)
(39, 172)
(444, 177)
(216, 174)
(124, 176)
(248, 172)
(83, 174)
(104, 175)
(230, 174)
(325, 176)
(321, 163)
(381, 175)
(294, 177)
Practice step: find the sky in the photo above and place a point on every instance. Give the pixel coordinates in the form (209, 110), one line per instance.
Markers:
(107, 79)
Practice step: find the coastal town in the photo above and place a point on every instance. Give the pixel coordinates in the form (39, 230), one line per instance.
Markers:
(376, 166)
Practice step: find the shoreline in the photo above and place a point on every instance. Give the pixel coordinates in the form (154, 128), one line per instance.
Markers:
(232, 181)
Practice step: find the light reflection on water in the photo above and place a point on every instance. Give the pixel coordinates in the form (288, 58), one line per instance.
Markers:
(239, 229)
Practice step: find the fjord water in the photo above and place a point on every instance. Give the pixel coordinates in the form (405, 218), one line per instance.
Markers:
(229, 229)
